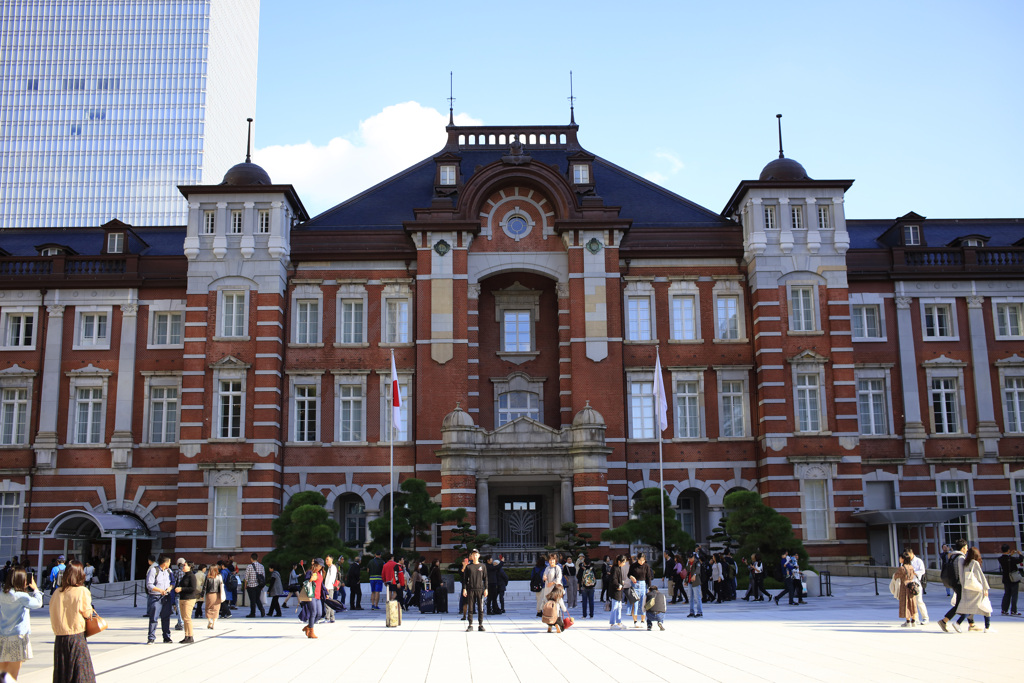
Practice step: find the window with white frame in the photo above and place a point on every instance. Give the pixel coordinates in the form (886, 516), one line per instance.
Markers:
(808, 402)
(229, 401)
(801, 309)
(516, 404)
(306, 409)
(227, 517)
(816, 509)
(307, 321)
(953, 496)
(944, 394)
(683, 311)
(236, 222)
(92, 328)
(10, 523)
(727, 312)
(641, 409)
(396, 321)
(796, 213)
(166, 328)
(824, 218)
(115, 242)
(770, 222)
(263, 221)
(447, 174)
(638, 318)
(209, 222)
(580, 174)
(13, 416)
(516, 331)
(872, 406)
(866, 321)
(517, 310)
(232, 318)
(354, 522)
(19, 329)
(352, 321)
(89, 415)
(1013, 403)
(163, 413)
(1008, 320)
(351, 410)
(732, 398)
(403, 432)
(911, 236)
(688, 403)
(937, 321)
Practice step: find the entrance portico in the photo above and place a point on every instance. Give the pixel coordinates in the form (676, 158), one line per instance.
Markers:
(84, 527)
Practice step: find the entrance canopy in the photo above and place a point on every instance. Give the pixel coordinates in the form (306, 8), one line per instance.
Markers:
(83, 524)
(911, 516)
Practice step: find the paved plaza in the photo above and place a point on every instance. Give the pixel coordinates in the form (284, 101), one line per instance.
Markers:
(852, 636)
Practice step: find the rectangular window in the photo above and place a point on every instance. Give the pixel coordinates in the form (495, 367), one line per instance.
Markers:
(163, 412)
(306, 409)
(801, 308)
(93, 329)
(447, 175)
(824, 220)
(911, 236)
(797, 213)
(209, 222)
(638, 315)
(684, 318)
(769, 218)
(20, 328)
(953, 496)
(233, 314)
(808, 407)
(641, 404)
(230, 409)
(10, 524)
(1008, 317)
(815, 509)
(728, 317)
(397, 324)
(351, 411)
(89, 415)
(938, 320)
(355, 522)
(1013, 394)
(516, 404)
(351, 321)
(866, 322)
(687, 410)
(580, 174)
(871, 408)
(945, 405)
(307, 322)
(517, 331)
(167, 329)
(226, 517)
(263, 221)
(733, 402)
(403, 433)
(13, 417)
(115, 243)
(236, 222)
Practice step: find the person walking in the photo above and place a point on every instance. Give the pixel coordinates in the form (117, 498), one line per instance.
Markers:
(956, 556)
(922, 577)
(655, 607)
(375, 570)
(1010, 568)
(255, 580)
(502, 583)
(187, 594)
(159, 599)
(788, 567)
(588, 583)
(717, 585)
(606, 567)
(617, 582)
(294, 583)
(907, 590)
(20, 595)
(440, 588)
(678, 585)
(275, 589)
(315, 576)
(694, 585)
(641, 577)
(214, 589)
(197, 611)
(474, 589)
(572, 586)
(57, 574)
(974, 593)
(353, 582)
(70, 605)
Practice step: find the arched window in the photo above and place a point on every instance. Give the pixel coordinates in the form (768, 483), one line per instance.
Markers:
(352, 518)
(515, 404)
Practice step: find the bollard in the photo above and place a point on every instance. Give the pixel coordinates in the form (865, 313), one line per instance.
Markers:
(876, 581)
(825, 583)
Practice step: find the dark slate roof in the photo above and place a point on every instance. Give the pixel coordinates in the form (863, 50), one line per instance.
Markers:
(387, 205)
(938, 232)
(162, 241)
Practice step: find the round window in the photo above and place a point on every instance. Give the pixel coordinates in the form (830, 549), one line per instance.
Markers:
(517, 226)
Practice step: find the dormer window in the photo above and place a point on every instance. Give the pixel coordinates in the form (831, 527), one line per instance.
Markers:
(911, 235)
(581, 174)
(51, 251)
(448, 174)
(115, 243)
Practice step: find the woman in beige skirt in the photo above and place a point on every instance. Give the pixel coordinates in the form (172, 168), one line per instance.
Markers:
(214, 586)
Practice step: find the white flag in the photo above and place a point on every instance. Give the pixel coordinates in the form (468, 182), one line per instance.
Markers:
(659, 391)
(397, 424)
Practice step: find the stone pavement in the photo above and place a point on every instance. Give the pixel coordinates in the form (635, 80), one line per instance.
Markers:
(853, 636)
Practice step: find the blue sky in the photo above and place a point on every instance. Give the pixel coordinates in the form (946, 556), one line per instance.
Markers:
(919, 103)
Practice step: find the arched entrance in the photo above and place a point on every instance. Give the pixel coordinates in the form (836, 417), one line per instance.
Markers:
(350, 511)
(692, 512)
(105, 535)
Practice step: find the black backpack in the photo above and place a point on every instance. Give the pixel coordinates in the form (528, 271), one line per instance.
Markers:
(536, 579)
(950, 576)
(261, 579)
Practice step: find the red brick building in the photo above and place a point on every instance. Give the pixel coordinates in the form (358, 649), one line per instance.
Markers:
(171, 388)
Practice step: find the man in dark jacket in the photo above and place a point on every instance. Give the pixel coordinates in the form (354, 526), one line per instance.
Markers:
(352, 582)
(492, 585)
(474, 589)
(1009, 567)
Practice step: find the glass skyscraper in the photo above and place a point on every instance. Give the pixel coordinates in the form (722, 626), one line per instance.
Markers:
(107, 105)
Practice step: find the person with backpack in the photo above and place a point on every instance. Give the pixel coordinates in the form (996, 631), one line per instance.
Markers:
(655, 607)
(694, 585)
(56, 574)
(255, 580)
(953, 579)
(588, 582)
(213, 587)
(176, 573)
(554, 609)
(790, 568)
(537, 583)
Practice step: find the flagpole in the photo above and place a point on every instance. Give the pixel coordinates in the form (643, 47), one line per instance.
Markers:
(661, 472)
(391, 463)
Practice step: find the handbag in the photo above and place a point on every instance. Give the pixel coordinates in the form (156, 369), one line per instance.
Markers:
(913, 588)
(567, 622)
(94, 624)
(223, 593)
(1015, 576)
(631, 595)
(971, 583)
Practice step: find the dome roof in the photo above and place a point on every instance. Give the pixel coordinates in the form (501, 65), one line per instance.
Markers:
(587, 416)
(783, 169)
(457, 418)
(246, 173)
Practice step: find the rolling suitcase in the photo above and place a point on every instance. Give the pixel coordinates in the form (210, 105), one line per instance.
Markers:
(427, 602)
(392, 612)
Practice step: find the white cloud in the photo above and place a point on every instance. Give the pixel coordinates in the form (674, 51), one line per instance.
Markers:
(674, 162)
(669, 165)
(386, 143)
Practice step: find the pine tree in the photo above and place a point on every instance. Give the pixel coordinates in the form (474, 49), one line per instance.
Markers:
(645, 526)
(416, 513)
(572, 541)
(758, 528)
(305, 530)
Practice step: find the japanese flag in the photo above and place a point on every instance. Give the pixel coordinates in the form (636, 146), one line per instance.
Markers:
(397, 424)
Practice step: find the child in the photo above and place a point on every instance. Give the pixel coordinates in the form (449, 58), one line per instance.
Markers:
(655, 607)
(554, 608)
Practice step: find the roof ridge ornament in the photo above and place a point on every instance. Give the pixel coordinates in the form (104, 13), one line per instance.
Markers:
(572, 103)
(451, 99)
(248, 142)
(779, 117)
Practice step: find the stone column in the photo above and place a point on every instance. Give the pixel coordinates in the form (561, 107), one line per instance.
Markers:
(913, 431)
(45, 445)
(483, 506)
(121, 441)
(988, 431)
(567, 511)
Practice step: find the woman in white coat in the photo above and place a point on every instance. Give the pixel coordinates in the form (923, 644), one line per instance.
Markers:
(974, 596)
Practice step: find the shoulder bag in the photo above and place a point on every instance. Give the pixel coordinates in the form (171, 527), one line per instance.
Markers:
(94, 624)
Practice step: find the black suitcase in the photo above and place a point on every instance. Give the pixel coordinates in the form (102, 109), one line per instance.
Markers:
(427, 602)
